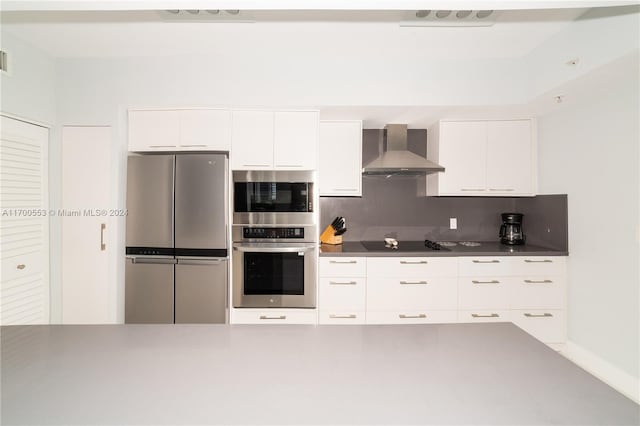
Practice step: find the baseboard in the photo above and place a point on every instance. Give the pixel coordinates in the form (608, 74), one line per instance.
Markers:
(623, 382)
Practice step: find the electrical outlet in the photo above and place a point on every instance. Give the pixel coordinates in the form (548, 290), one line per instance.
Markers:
(453, 223)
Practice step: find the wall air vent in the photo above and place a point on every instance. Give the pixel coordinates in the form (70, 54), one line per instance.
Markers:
(207, 15)
(4, 65)
(449, 18)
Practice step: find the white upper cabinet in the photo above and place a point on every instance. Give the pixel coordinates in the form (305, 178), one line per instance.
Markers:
(510, 157)
(179, 130)
(281, 140)
(205, 129)
(296, 140)
(340, 165)
(154, 130)
(252, 140)
(483, 158)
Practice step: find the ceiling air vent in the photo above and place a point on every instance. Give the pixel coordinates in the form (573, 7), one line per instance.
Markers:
(4, 66)
(449, 18)
(206, 15)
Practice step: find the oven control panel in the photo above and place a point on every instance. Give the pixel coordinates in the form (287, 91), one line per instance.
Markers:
(271, 233)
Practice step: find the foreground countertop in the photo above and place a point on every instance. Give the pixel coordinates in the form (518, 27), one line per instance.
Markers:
(486, 248)
(287, 374)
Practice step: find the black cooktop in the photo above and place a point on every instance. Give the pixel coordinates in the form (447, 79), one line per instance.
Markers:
(413, 246)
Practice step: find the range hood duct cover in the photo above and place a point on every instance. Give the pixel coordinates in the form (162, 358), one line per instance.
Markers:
(397, 160)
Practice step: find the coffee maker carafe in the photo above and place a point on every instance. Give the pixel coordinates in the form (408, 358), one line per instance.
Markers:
(511, 229)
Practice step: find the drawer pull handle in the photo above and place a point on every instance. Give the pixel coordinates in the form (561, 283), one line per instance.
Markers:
(502, 189)
(351, 316)
(343, 262)
(193, 146)
(538, 261)
(103, 246)
(21, 266)
(342, 283)
(486, 282)
(538, 281)
(471, 189)
(162, 146)
(485, 316)
(289, 165)
(408, 262)
(280, 317)
(413, 282)
(545, 315)
(486, 261)
(256, 165)
(403, 316)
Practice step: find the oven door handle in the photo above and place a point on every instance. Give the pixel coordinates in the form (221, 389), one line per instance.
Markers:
(285, 249)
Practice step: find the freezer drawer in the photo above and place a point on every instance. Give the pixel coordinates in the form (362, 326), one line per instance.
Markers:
(201, 291)
(201, 206)
(150, 201)
(148, 291)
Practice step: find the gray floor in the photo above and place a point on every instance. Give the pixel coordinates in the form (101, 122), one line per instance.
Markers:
(491, 374)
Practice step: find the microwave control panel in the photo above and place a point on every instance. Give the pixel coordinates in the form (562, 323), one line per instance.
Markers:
(271, 233)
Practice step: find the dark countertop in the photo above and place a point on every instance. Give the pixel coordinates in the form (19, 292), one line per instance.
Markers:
(489, 374)
(487, 248)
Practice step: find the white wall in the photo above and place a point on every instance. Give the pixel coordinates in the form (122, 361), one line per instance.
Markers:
(28, 90)
(589, 148)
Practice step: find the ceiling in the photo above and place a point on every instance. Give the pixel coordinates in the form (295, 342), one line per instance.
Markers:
(147, 33)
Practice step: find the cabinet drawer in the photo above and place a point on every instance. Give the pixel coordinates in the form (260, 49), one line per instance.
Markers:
(538, 265)
(268, 316)
(538, 292)
(411, 317)
(341, 317)
(483, 266)
(342, 293)
(343, 266)
(484, 292)
(546, 325)
(411, 267)
(492, 315)
(21, 266)
(412, 293)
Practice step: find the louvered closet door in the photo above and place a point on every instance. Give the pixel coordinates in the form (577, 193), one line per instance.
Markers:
(24, 230)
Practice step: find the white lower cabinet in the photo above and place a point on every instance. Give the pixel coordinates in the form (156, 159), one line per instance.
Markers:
(274, 316)
(528, 291)
(546, 325)
(342, 290)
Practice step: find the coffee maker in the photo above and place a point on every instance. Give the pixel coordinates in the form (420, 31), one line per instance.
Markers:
(511, 229)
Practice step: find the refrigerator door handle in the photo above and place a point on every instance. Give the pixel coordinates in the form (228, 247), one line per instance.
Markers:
(153, 260)
(192, 261)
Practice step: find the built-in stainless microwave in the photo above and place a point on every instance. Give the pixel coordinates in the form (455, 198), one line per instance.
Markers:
(273, 197)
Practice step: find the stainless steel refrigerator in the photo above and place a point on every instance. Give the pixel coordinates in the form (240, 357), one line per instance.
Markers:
(176, 239)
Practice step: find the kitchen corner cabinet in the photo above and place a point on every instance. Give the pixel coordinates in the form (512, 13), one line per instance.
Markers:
(483, 158)
(280, 140)
(179, 130)
(340, 165)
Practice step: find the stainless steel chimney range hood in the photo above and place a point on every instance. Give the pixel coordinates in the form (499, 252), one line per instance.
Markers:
(397, 160)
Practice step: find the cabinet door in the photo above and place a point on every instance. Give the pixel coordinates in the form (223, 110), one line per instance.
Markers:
(252, 140)
(340, 166)
(463, 155)
(509, 158)
(154, 130)
(296, 140)
(206, 129)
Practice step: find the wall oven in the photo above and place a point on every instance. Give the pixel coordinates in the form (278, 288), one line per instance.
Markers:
(274, 267)
(274, 198)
